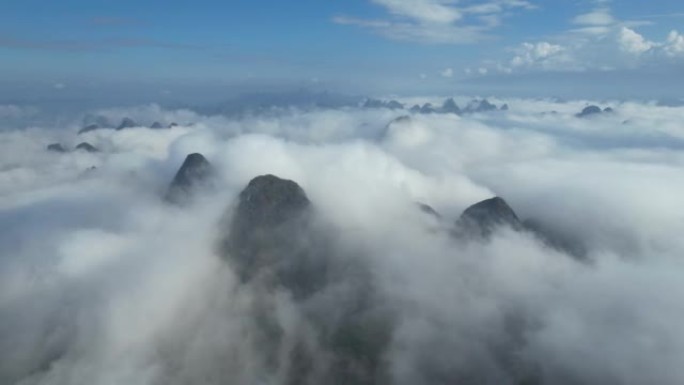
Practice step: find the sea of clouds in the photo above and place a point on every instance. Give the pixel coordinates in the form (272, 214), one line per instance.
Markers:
(102, 282)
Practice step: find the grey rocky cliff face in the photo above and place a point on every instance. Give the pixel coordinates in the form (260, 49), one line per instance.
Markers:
(427, 209)
(376, 103)
(271, 235)
(195, 172)
(427, 108)
(126, 123)
(268, 201)
(450, 107)
(483, 218)
(394, 105)
(274, 245)
(56, 147)
(88, 128)
(556, 239)
(476, 106)
(590, 111)
(85, 146)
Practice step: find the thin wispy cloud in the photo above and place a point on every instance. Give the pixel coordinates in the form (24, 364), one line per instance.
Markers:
(437, 21)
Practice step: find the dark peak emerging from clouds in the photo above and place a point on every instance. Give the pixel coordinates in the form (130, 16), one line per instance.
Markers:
(394, 105)
(194, 173)
(427, 108)
(156, 125)
(87, 147)
(450, 107)
(373, 103)
(404, 119)
(268, 202)
(271, 237)
(88, 128)
(427, 209)
(476, 106)
(376, 103)
(56, 147)
(483, 218)
(594, 110)
(274, 246)
(401, 119)
(398, 121)
(95, 119)
(98, 120)
(94, 122)
(556, 239)
(127, 123)
(589, 111)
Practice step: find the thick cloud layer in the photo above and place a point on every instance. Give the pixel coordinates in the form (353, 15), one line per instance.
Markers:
(102, 281)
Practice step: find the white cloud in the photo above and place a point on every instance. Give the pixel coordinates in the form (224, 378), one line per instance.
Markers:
(632, 42)
(602, 43)
(410, 31)
(437, 21)
(101, 282)
(597, 17)
(542, 53)
(425, 11)
(447, 73)
(675, 44)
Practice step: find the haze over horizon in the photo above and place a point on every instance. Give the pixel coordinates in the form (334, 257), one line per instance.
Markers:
(193, 52)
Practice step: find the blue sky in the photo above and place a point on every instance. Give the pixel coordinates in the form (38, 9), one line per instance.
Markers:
(370, 45)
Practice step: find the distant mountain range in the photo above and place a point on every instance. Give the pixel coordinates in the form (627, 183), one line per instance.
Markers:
(449, 106)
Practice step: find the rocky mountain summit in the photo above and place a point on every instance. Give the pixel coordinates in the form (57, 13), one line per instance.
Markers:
(594, 110)
(126, 123)
(194, 173)
(270, 232)
(483, 105)
(99, 122)
(85, 146)
(449, 106)
(56, 147)
(273, 244)
(376, 103)
(88, 128)
(483, 218)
